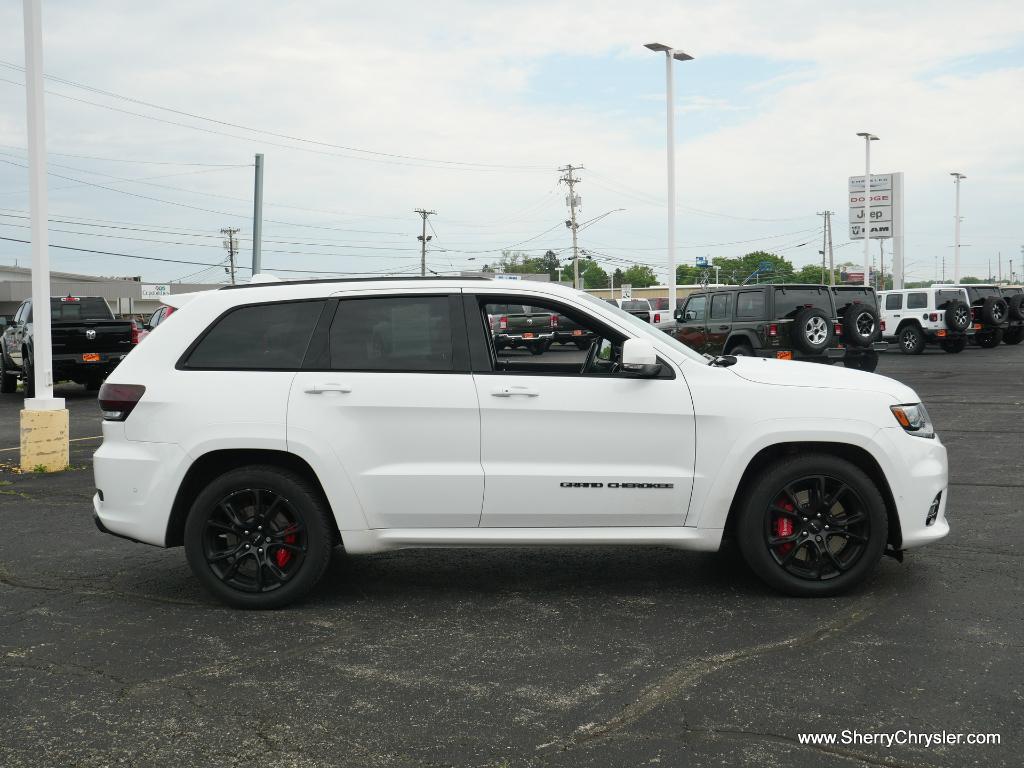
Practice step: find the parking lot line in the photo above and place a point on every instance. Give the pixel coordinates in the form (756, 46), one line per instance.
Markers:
(72, 440)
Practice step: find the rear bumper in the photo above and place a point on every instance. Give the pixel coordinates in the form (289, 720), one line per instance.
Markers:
(136, 485)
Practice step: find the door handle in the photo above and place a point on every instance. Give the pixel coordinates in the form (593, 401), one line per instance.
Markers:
(723, 327)
(509, 391)
(319, 389)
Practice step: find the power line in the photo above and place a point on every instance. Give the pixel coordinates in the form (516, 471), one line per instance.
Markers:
(135, 162)
(390, 156)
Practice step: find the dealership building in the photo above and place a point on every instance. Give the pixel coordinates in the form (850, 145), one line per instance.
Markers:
(124, 295)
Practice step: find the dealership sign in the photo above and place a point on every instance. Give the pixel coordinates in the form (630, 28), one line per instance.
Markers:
(886, 201)
(156, 291)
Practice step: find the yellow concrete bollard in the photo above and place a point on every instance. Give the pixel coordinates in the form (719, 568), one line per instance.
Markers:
(44, 440)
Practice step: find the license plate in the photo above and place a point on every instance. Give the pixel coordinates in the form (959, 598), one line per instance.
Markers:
(784, 355)
(91, 357)
(577, 333)
(527, 335)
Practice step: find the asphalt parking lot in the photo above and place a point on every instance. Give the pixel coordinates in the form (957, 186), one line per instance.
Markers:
(110, 654)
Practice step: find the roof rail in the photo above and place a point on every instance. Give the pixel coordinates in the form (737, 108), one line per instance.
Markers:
(313, 281)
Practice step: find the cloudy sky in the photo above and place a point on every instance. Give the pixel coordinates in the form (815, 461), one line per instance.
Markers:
(365, 111)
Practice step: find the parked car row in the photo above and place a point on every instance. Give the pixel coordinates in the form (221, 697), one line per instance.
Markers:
(87, 342)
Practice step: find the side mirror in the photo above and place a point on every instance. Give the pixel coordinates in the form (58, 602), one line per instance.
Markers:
(639, 359)
(678, 314)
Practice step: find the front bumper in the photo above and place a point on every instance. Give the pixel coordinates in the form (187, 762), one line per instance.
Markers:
(918, 472)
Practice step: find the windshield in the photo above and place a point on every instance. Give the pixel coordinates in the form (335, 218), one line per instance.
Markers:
(643, 328)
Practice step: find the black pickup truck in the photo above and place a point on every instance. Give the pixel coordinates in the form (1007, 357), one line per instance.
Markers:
(87, 343)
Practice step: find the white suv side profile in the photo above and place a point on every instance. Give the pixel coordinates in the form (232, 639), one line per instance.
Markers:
(916, 317)
(271, 422)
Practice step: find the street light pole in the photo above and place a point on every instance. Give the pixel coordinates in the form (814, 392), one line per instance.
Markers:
(868, 138)
(957, 176)
(670, 54)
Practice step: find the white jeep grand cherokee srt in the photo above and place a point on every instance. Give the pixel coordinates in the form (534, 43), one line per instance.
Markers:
(262, 425)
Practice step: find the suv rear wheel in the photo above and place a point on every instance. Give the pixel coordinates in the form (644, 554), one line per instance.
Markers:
(258, 537)
(1013, 335)
(911, 340)
(8, 380)
(988, 339)
(741, 350)
(812, 525)
(953, 346)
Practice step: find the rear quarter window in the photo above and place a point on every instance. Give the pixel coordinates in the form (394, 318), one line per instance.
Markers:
(267, 337)
(917, 300)
(749, 305)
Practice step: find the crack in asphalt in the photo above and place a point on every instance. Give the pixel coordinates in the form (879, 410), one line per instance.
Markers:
(669, 687)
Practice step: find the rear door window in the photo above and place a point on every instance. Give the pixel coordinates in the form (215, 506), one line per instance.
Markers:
(266, 337)
(402, 333)
(720, 306)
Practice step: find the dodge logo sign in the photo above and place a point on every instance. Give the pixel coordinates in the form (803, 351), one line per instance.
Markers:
(90, 334)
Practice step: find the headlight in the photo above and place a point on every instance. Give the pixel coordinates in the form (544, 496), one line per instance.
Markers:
(914, 419)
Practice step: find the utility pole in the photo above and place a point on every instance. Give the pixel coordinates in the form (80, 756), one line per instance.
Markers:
(232, 245)
(257, 218)
(573, 202)
(423, 238)
(1000, 257)
(825, 239)
(881, 265)
(957, 176)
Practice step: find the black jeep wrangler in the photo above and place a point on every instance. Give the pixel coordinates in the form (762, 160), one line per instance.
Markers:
(990, 312)
(1014, 332)
(787, 322)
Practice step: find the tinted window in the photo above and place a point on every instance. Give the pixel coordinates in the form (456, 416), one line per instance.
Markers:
(894, 301)
(270, 337)
(750, 304)
(847, 296)
(790, 300)
(407, 333)
(697, 305)
(635, 304)
(79, 308)
(982, 293)
(942, 298)
(720, 306)
(917, 300)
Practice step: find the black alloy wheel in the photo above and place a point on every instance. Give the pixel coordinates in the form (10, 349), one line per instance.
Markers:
(955, 345)
(989, 339)
(911, 340)
(860, 325)
(866, 361)
(258, 537)
(1013, 335)
(813, 525)
(28, 374)
(958, 316)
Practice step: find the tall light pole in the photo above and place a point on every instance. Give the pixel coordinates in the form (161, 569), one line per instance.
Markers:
(868, 138)
(670, 54)
(957, 176)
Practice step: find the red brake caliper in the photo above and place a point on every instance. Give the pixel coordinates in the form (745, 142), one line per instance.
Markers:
(282, 556)
(783, 526)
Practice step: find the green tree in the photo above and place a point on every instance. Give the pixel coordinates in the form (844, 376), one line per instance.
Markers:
(809, 274)
(592, 274)
(688, 275)
(739, 269)
(617, 277)
(639, 276)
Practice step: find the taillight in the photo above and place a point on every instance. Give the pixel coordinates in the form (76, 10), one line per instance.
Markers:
(974, 312)
(881, 324)
(135, 332)
(773, 330)
(554, 321)
(933, 317)
(119, 400)
(502, 323)
(839, 329)
(657, 317)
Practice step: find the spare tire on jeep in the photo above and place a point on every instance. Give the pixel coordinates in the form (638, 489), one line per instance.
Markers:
(812, 330)
(1016, 307)
(958, 316)
(860, 325)
(994, 310)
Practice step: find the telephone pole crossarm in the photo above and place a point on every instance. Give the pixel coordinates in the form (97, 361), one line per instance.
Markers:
(424, 238)
(573, 202)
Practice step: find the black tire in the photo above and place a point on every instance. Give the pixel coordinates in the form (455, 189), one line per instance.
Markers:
(989, 339)
(93, 383)
(8, 380)
(741, 350)
(582, 345)
(911, 339)
(536, 349)
(994, 311)
(28, 374)
(954, 346)
(958, 316)
(1015, 307)
(812, 330)
(867, 361)
(1013, 336)
(861, 325)
(219, 530)
(787, 490)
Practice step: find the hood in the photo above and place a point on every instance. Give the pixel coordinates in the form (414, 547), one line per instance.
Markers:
(791, 373)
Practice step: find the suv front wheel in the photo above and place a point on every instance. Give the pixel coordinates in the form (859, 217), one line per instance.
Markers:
(258, 537)
(911, 340)
(812, 525)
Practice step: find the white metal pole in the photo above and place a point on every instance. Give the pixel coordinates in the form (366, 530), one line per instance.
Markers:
(867, 210)
(956, 235)
(42, 359)
(257, 218)
(670, 109)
